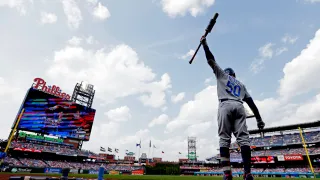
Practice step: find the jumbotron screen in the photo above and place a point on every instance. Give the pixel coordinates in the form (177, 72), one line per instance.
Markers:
(48, 114)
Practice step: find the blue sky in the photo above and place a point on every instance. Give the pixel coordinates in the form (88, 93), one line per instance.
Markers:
(136, 55)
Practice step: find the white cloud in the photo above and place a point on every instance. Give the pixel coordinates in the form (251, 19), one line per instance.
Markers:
(101, 12)
(281, 50)
(202, 109)
(208, 81)
(179, 8)
(48, 18)
(306, 112)
(162, 119)
(257, 65)
(265, 52)
(73, 13)
(8, 90)
(157, 97)
(289, 39)
(163, 109)
(199, 128)
(189, 54)
(116, 73)
(91, 40)
(177, 98)
(120, 114)
(19, 5)
(93, 2)
(11, 94)
(299, 73)
(247, 109)
(110, 129)
(75, 41)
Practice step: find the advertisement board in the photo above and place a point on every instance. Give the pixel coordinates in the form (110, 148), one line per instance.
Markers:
(262, 159)
(34, 137)
(52, 170)
(74, 171)
(297, 157)
(291, 157)
(48, 114)
(280, 158)
(129, 158)
(27, 150)
(137, 172)
(236, 159)
(93, 172)
(114, 172)
(21, 170)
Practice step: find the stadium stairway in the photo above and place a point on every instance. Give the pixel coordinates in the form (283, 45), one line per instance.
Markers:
(46, 163)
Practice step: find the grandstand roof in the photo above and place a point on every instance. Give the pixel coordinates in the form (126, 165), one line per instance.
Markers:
(286, 128)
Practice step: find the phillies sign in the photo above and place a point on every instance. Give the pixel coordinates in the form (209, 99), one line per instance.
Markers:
(293, 158)
(41, 84)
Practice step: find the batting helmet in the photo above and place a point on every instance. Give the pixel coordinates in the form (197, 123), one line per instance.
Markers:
(230, 71)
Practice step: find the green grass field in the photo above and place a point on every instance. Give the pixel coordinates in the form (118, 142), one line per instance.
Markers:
(132, 177)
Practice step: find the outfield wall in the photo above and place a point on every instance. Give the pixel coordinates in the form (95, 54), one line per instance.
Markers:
(22, 169)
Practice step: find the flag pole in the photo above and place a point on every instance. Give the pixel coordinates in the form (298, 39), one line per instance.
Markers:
(149, 149)
(152, 151)
(136, 152)
(139, 150)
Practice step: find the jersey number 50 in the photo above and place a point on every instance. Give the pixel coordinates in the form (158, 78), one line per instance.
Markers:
(233, 89)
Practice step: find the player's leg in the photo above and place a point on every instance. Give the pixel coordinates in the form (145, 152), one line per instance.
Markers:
(224, 131)
(242, 135)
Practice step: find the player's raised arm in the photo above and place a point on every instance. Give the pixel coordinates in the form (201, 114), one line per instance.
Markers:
(248, 99)
(211, 60)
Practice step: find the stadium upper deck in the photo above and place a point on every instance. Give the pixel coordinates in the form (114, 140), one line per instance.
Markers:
(280, 146)
(282, 140)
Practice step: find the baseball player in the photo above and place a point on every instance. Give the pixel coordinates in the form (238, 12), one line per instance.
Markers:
(231, 115)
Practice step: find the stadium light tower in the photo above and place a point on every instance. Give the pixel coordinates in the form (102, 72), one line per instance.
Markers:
(83, 94)
(192, 148)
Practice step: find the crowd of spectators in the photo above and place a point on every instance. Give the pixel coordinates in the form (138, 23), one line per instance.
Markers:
(257, 170)
(55, 149)
(32, 162)
(301, 151)
(275, 140)
(62, 164)
(239, 170)
(13, 161)
(280, 140)
(278, 169)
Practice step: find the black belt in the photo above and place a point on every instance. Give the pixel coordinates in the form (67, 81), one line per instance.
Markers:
(222, 100)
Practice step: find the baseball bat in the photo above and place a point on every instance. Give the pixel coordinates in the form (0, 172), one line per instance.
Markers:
(207, 31)
(250, 116)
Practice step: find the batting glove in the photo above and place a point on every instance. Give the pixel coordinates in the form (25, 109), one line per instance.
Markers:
(260, 124)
